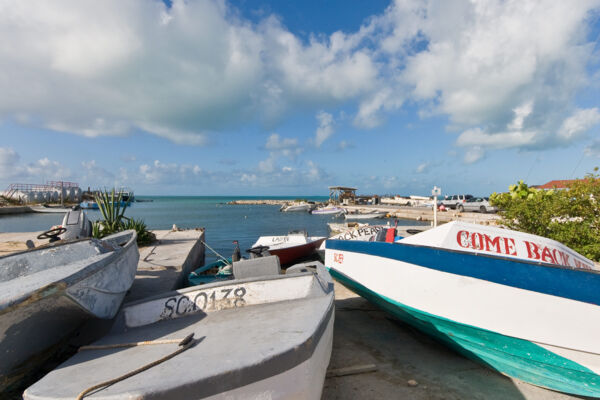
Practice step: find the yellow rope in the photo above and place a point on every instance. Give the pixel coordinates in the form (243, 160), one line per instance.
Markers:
(185, 344)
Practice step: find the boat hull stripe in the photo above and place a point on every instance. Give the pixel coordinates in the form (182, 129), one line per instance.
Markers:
(578, 285)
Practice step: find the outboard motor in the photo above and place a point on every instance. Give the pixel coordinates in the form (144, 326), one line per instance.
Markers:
(75, 225)
(259, 251)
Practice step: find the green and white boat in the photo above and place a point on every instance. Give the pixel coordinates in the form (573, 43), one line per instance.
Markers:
(526, 306)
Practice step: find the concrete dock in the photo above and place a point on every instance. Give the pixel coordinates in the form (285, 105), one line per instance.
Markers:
(15, 210)
(165, 265)
(410, 365)
(426, 214)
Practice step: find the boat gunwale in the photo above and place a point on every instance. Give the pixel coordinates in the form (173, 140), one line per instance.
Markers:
(61, 285)
(217, 284)
(487, 255)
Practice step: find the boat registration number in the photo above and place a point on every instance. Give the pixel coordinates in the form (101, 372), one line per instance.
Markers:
(204, 300)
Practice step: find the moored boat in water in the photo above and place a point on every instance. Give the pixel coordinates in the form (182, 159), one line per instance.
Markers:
(45, 208)
(297, 207)
(290, 247)
(262, 335)
(524, 305)
(48, 291)
(89, 205)
(329, 210)
(370, 215)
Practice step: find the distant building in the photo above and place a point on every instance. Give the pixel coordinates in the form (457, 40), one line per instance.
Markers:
(556, 184)
(342, 195)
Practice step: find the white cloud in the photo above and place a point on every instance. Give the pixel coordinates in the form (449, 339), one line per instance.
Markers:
(281, 147)
(38, 171)
(343, 145)
(267, 165)
(501, 71)
(274, 142)
(92, 174)
(421, 168)
(168, 173)
(498, 140)
(108, 68)
(473, 155)
(578, 123)
(593, 149)
(8, 163)
(325, 129)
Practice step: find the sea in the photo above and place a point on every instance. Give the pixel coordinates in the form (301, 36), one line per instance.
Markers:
(223, 222)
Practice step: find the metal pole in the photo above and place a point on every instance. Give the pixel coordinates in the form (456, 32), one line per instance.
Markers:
(62, 199)
(434, 211)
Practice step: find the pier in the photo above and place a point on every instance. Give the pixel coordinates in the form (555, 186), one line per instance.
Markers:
(165, 265)
(426, 214)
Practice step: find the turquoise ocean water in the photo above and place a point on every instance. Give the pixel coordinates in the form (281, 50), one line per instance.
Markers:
(223, 222)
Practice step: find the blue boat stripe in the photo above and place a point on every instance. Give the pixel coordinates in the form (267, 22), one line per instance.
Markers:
(579, 285)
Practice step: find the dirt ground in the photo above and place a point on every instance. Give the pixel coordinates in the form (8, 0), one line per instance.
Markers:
(366, 335)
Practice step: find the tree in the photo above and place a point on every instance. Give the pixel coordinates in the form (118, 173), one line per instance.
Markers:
(570, 216)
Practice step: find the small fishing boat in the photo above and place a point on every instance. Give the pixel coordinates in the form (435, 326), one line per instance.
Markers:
(524, 305)
(45, 208)
(337, 227)
(297, 207)
(222, 271)
(89, 205)
(262, 335)
(370, 215)
(48, 291)
(291, 247)
(329, 210)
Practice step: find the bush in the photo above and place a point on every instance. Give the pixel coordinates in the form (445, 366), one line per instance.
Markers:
(144, 236)
(570, 216)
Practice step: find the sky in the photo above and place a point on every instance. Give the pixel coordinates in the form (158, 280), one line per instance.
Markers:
(257, 97)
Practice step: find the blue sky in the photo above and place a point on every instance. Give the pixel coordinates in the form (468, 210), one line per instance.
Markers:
(289, 97)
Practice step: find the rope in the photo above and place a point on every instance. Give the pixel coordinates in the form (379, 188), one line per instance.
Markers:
(133, 344)
(185, 344)
(214, 251)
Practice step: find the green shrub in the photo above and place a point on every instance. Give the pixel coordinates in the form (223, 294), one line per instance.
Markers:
(144, 236)
(570, 216)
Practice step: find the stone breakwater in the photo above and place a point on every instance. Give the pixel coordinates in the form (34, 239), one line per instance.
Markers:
(260, 202)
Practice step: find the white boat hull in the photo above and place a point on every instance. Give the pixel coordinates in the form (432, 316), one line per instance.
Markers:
(547, 336)
(264, 337)
(41, 317)
(364, 216)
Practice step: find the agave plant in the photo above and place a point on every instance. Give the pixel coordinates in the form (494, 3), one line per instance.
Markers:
(112, 209)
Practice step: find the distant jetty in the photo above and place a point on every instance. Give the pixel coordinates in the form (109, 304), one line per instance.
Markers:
(260, 202)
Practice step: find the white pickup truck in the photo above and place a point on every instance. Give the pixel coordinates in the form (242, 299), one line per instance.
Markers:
(456, 199)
